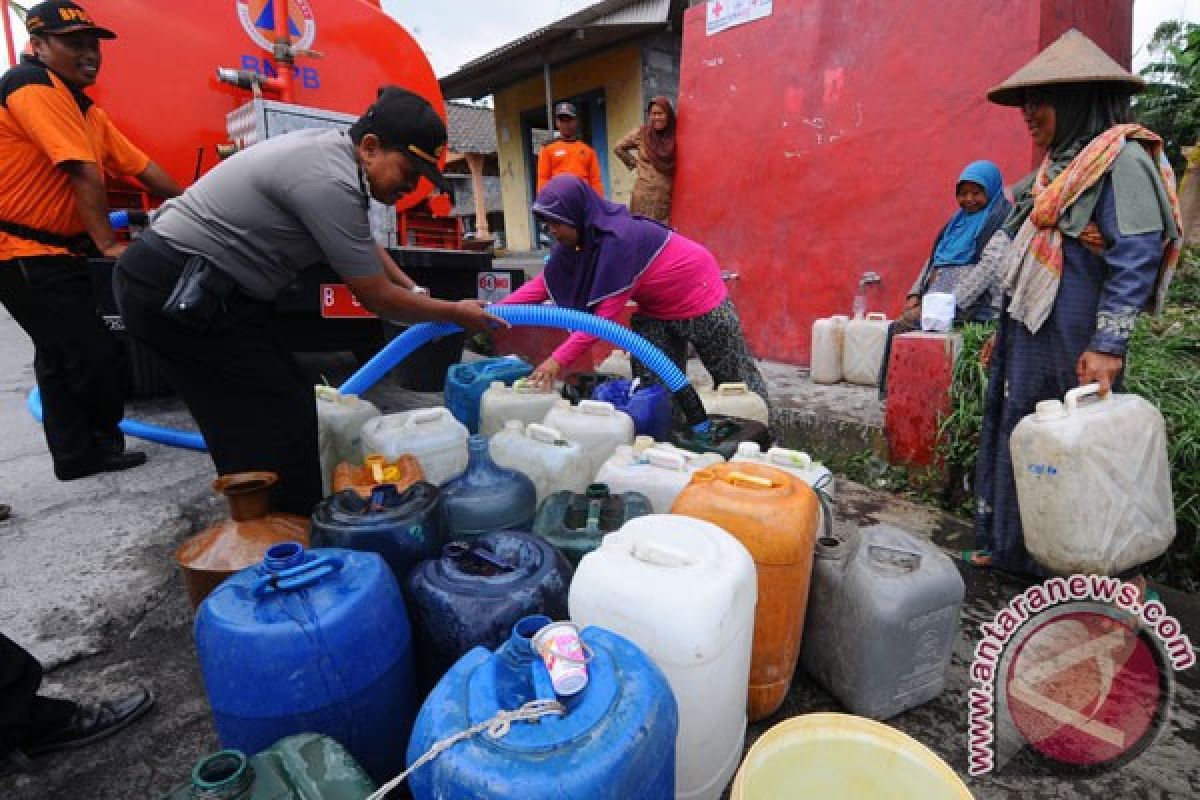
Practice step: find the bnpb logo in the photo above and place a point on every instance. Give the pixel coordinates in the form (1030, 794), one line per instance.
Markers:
(258, 19)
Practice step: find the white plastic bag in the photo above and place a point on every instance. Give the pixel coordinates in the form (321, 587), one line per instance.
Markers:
(937, 311)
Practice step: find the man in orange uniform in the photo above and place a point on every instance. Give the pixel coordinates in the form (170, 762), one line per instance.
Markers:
(568, 155)
(55, 148)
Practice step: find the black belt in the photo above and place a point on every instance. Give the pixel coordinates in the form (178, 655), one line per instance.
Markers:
(79, 243)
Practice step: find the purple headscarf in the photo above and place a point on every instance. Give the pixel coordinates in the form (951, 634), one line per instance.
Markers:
(615, 247)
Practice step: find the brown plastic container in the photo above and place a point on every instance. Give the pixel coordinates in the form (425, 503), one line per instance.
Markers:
(241, 541)
(376, 471)
(775, 516)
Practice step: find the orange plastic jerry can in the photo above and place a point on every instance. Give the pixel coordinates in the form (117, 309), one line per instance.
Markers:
(775, 516)
(376, 471)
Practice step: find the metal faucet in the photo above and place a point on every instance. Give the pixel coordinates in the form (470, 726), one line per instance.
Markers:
(869, 277)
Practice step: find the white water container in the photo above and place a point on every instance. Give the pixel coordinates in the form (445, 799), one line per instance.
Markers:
(735, 400)
(862, 357)
(684, 591)
(882, 620)
(659, 474)
(522, 401)
(797, 462)
(1093, 483)
(433, 435)
(693, 459)
(340, 418)
(596, 425)
(617, 363)
(828, 339)
(551, 461)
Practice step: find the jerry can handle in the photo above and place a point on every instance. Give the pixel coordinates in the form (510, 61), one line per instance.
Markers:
(733, 388)
(458, 551)
(600, 407)
(427, 415)
(660, 555)
(894, 556)
(789, 458)
(1072, 397)
(300, 576)
(543, 433)
(877, 315)
(748, 481)
(664, 459)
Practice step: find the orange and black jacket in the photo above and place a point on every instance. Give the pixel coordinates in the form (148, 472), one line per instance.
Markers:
(44, 123)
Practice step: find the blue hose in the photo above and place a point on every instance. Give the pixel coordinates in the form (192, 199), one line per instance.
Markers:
(172, 437)
(403, 345)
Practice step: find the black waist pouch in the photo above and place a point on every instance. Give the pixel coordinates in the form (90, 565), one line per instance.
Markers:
(199, 295)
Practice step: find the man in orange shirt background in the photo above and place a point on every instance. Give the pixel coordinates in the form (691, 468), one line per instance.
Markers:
(568, 155)
(55, 148)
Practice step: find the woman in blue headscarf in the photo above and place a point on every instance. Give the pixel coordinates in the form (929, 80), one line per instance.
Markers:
(957, 265)
(965, 256)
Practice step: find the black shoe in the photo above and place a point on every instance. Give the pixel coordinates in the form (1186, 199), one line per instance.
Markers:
(5, 512)
(91, 723)
(114, 462)
(119, 461)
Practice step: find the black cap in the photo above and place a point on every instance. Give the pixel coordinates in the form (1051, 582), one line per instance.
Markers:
(58, 17)
(406, 122)
(565, 109)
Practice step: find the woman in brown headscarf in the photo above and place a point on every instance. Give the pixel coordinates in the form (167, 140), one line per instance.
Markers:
(650, 149)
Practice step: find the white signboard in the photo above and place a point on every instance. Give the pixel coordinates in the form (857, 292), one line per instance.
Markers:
(724, 14)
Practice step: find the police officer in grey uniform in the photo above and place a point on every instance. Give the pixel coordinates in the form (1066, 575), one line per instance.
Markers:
(197, 288)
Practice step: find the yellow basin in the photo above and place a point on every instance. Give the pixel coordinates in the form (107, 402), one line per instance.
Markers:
(843, 757)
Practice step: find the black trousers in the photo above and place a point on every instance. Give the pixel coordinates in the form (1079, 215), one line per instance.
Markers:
(24, 714)
(245, 390)
(77, 360)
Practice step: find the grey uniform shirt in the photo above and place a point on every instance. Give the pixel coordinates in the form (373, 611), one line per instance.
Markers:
(275, 208)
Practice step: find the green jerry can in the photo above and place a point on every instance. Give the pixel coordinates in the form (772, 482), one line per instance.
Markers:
(575, 523)
(303, 767)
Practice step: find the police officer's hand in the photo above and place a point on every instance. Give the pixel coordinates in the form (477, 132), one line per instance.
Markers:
(471, 316)
(114, 250)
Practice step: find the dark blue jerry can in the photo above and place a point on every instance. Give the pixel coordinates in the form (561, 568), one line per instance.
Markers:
(476, 591)
(649, 406)
(310, 642)
(466, 383)
(403, 527)
(616, 740)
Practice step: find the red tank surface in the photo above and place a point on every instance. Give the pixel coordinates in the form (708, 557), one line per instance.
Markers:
(159, 81)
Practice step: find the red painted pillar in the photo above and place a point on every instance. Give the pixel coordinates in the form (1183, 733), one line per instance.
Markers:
(920, 372)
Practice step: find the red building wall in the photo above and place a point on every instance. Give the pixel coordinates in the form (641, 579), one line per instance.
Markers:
(824, 141)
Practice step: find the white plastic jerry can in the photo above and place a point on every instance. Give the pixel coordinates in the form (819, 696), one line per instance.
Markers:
(340, 419)
(551, 461)
(863, 355)
(433, 435)
(797, 462)
(735, 400)
(657, 473)
(828, 341)
(522, 401)
(596, 425)
(1093, 482)
(684, 591)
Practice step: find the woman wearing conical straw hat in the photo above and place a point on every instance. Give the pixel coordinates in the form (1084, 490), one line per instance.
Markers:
(1095, 232)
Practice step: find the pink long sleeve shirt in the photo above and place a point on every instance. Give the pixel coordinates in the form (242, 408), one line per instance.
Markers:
(683, 281)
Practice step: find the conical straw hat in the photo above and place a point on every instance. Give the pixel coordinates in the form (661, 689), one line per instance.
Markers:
(1073, 58)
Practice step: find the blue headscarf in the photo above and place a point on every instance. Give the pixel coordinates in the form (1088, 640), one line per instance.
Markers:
(960, 241)
(615, 247)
